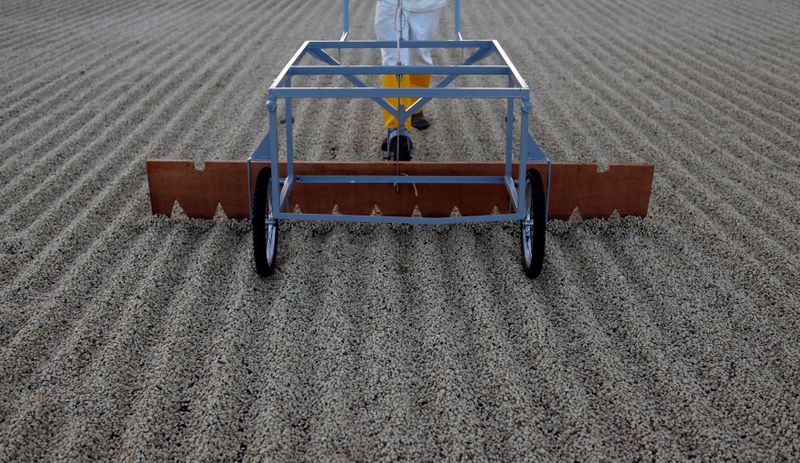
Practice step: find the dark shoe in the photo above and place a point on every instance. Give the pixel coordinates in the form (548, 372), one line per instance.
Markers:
(405, 147)
(419, 122)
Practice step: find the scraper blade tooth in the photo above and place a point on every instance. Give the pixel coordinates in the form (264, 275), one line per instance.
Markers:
(178, 212)
(219, 214)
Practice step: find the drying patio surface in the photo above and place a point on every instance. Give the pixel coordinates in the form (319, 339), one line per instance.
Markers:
(128, 336)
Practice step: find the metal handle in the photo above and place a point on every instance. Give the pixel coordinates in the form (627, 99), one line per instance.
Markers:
(346, 20)
(458, 20)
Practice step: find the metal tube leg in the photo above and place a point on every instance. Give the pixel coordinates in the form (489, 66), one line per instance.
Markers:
(509, 136)
(523, 154)
(272, 107)
(457, 21)
(289, 138)
(346, 18)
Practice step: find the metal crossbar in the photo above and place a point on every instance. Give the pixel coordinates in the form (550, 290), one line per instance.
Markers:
(343, 70)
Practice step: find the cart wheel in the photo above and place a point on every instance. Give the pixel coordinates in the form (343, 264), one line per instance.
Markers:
(533, 235)
(265, 229)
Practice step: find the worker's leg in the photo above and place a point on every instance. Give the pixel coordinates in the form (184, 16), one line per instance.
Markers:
(420, 81)
(418, 119)
(385, 29)
(389, 121)
(423, 26)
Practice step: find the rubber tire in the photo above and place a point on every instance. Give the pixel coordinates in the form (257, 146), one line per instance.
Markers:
(264, 266)
(535, 209)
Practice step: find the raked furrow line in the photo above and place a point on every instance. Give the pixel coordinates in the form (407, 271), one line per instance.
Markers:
(606, 86)
(123, 105)
(120, 164)
(56, 38)
(67, 67)
(89, 74)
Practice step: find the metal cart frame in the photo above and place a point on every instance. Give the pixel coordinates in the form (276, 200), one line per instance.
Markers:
(515, 92)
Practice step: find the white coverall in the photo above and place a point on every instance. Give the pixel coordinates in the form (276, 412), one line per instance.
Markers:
(420, 21)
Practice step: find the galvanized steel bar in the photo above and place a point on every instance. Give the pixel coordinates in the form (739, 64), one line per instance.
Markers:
(399, 219)
(421, 179)
(457, 19)
(272, 108)
(349, 70)
(289, 132)
(346, 20)
(523, 154)
(509, 131)
(392, 92)
(326, 44)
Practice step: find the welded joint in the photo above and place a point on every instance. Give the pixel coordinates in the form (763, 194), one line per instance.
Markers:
(527, 106)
